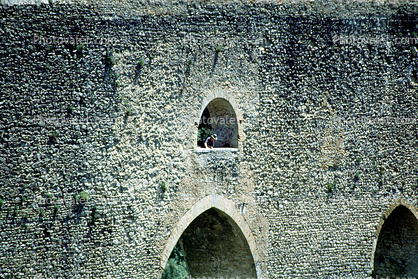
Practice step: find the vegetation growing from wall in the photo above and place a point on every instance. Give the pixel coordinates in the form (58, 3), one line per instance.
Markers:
(109, 119)
(204, 129)
(176, 265)
(203, 133)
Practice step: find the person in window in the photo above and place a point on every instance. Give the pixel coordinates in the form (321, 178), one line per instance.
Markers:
(210, 141)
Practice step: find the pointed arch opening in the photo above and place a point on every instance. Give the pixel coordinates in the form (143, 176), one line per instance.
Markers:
(218, 118)
(215, 241)
(396, 251)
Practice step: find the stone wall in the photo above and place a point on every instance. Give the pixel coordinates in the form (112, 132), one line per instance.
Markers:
(98, 125)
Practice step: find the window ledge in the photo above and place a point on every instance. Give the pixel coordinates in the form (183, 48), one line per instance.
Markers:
(216, 149)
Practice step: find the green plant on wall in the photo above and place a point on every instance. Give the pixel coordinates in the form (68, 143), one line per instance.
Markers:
(53, 137)
(22, 200)
(203, 133)
(141, 62)
(204, 129)
(163, 186)
(70, 109)
(176, 265)
(189, 65)
(414, 51)
(129, 111)
(139, 66)
(109, 60)
(330, 187)
(83, 196)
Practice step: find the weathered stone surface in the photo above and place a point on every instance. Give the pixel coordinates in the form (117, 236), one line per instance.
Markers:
(98, 109)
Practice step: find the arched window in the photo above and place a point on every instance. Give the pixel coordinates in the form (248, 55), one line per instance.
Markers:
(396, 253)
(218, 118)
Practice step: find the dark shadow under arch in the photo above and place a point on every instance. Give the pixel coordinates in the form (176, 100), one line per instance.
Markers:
(215, 247)
(396, 253)
(215, 240)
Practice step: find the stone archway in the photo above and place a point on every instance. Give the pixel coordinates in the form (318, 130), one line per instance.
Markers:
(396, 250)
(220, 116)
(216, 241)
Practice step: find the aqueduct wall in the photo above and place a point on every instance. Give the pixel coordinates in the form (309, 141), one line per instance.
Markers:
(99, 168)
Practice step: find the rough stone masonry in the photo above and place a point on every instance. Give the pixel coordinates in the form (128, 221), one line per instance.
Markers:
(101, 175)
